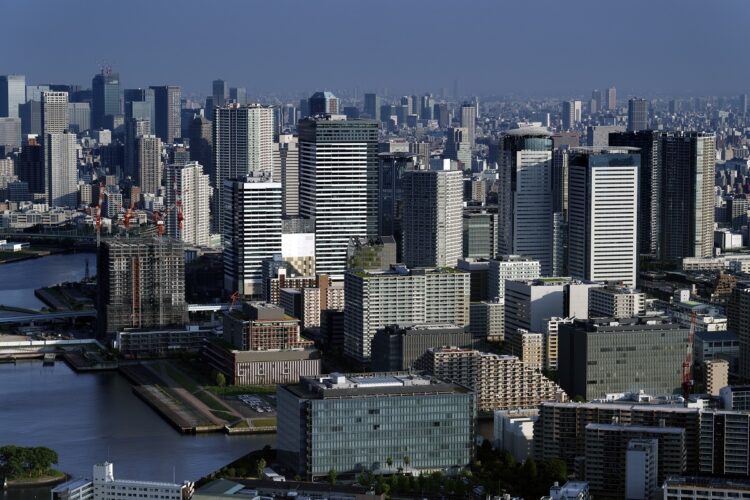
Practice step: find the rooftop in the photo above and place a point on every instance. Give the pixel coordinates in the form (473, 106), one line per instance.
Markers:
(529, 131)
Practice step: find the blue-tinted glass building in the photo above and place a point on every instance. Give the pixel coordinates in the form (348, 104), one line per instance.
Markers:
(352, 423)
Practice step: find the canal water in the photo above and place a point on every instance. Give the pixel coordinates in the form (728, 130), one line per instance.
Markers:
(19, 279)
(90, 418)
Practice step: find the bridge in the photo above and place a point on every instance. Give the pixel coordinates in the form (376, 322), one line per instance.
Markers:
(91, 313)
(36, 318)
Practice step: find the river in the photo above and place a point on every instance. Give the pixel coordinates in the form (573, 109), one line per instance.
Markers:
(19, 279)
(89, 418)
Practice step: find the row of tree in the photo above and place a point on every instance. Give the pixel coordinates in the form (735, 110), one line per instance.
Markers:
(17, 462)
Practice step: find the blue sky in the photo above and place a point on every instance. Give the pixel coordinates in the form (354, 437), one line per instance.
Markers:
(540, 47)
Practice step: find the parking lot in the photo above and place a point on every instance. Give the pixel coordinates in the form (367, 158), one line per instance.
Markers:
(253, 405)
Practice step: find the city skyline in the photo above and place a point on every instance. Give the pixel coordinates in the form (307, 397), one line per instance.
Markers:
(604, 43)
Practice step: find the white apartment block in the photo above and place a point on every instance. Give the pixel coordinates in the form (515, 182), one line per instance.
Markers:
(61, 169)
(510, 267)
(194, 190)
(376, 299)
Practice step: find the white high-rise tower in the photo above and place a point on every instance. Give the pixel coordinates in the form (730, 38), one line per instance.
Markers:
(194, 190)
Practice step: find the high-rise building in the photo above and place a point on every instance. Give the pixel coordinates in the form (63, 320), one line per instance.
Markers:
(10, 133)
(603, 214)
(194, 189)
(637, 114)
(525, 195)
(611, 98)
(80, 116)
(338, 167)
(398, 347)
(743, 104)
(167, 123)
(238, 95)
(596, 101)
(252, 230)
(30, 166)
(738, 314)
(376, 299)
(242, 144)
(432, 224)
(340, 422)
(724, 441)
(12, 95)
(105, 97)
(469, 122)
(201, 143)
(286, 171)
(689, 160)
(54, 113)
(390, 197)
(139, 104)
(372, 106)
(571, 114)
(616, 302)
(220, 93)
(649, 185)
(140, 284)
(61, 169)
(592, 365)
(148, 168)
(134, 128)
(598, 135)
(324, 103)
(458, 146)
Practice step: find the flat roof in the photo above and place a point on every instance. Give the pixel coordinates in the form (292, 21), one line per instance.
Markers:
(357, 385)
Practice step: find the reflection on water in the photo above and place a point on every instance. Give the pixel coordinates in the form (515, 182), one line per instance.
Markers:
(90, 418)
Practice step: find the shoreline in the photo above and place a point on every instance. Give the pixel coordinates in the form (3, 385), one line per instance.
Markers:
(36, 482)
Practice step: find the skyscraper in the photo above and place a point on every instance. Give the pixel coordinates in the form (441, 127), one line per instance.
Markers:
(637, 114)
(571, 114)
(458, 146)
(140, 284)
(596, 101)
(469, 121)
(324, 103)
(192, 185)
(525, 196)
(167, 113)
(242, 143)
(30, 166)
(105, 97)
(611, 98)
(372, 106)
(220, 92)
(432, 224)
(201, 143)
(54, 113)
(650, 186)
(252, 230)
(134, 128)
(148, 167)
(603, 214)
(238, 95)
(689, 160)
(286, 171)
(139, 104)
(61, 169)
(338, 185)
(12, 94)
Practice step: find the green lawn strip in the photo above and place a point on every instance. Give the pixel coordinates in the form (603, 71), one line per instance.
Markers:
(182, 379)
(236, 390)
(264, 422)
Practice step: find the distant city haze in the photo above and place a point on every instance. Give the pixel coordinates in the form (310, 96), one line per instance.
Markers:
(286, 47)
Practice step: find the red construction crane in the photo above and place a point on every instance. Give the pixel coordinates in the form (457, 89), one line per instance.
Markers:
(687, 365)
(159, 222)
(98, 218)
(233, 300)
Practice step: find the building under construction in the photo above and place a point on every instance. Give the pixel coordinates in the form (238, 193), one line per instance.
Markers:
(141, 284)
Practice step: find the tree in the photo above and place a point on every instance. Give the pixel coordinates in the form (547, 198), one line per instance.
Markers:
(389, 461)
(259, 467)
(18, 462)
(221, 380)
(407, 461)
(332, 476)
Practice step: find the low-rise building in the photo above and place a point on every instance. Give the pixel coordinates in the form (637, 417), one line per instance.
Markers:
(717, 375)
(262, 326)
(160, 342)
(695, 488)
(499, 382)
(735, 397)
(352, 423)
(267, 367)
(104, 486)
(616, 302)
(513, 431)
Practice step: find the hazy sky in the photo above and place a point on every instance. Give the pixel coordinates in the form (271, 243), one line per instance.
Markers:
(543, 47)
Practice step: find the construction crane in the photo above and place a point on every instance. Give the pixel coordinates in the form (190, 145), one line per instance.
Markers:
(159, 222)
(687, 365)
(233, 300)
(127, 217)
(98, 219)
